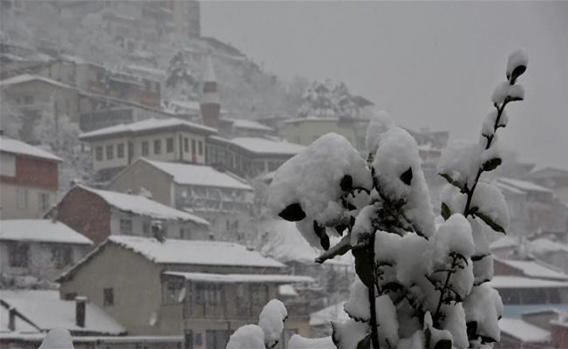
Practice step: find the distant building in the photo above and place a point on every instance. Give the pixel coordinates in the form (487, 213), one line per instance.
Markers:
(209, 103)
(249, 157)
(224, 200)
(169, 139)
(28, 180)
(97, 214)
(245, 128)
(553, 178)
(203, 289)
(39, 247)
(117, 115)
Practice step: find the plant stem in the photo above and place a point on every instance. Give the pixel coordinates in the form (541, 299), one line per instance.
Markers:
(374, 331)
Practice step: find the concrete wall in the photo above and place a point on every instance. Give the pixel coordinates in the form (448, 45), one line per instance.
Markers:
(142, 174)
(9, 208)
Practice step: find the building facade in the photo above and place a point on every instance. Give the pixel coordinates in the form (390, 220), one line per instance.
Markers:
(28, 180)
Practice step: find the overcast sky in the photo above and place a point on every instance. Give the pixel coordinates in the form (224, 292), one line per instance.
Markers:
(430, 64)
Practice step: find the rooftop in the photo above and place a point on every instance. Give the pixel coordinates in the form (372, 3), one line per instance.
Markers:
(8, 145)
(525, 282)
(198, 175)
(20, 79)
(525, 186)
(46, 311)
(141, 205)
(40, 230)
(146, 126)
(249, 124)
(523, 331)
(242, 278)
(323, 317)
(533, 269)
(265, 146)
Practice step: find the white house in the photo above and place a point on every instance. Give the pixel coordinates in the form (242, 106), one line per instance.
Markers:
(39, 247)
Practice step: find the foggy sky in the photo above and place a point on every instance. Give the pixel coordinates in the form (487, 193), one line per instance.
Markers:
(430, 64)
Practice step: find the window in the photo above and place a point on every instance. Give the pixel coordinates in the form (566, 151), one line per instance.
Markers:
(28, 100)
(184, 234)
(18, 254)
(216, 338)
(170, 145)
(110, 152)
(174, 291)
(120, 151)
(108, 297)
(146, 229)
(99, 153)
(259, 294)
(145, 148)
(62, 256)
(193, 147)
(22, 198)
(200, 143)
(186, 145)
(208, 294)
(126, 226)
(70, 296)
(44, 201)
(157, 146)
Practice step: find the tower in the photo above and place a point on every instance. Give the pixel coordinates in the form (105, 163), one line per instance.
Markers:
(209, 104)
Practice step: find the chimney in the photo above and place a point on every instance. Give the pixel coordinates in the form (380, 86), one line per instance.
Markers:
(53, 214)
(209, 105)
(12, 319)
(80, 310)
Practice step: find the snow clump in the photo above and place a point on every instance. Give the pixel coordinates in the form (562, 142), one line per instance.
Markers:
(247, 337)
(271, 320)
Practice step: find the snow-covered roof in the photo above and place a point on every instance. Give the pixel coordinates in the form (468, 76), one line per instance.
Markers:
(143, 206)
(48, 312)
(246, 278)
(195, 252)
(533, 269)
(524, 185)
(523, 331)
(198, 175)
(334, 312)
(265, 146)
(249, 125)
(504, 242)
(549, 172)
(525, 282)
(40, 230)
(146, 126)
(20, 79)
(209, 73)
(8, 145)
(543, 246)
(190, 105)
(286, 244)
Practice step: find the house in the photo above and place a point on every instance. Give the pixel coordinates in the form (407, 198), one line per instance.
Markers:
(204, 289)
(249, 157)
(39, 247)
(518, 334)
(97, 214)
(168, 139)
(28, 180)
(533, 207)
(527, 268)
(27, 316)
(224, 200)
(550, 251)
(118, 114)
(552, 178)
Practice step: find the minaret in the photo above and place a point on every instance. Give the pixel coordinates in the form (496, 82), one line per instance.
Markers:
(209, 104)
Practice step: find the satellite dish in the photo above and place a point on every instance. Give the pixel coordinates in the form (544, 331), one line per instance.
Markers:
(181, 295)
(153, 319)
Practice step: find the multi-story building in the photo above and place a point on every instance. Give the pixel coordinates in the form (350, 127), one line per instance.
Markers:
(98, 214)
(28, 180)
(221, 198)
(169, 139)
(201, 289)
(249, 157)
(39, 247)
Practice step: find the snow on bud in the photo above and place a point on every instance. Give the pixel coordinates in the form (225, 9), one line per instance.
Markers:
(363, 224)
(379, 124)
(454, 235)
(453, 198)
(271, 320)
(454, 321)
(483, 308)
(387, 321)
(387, 246)
(247, 337)
(505, 91)
(491, 206)
(516, 65)
(347, 334)
(460, 161)
(398, 174)
(357, 306)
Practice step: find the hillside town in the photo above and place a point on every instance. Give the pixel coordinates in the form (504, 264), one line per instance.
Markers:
(133, 189)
